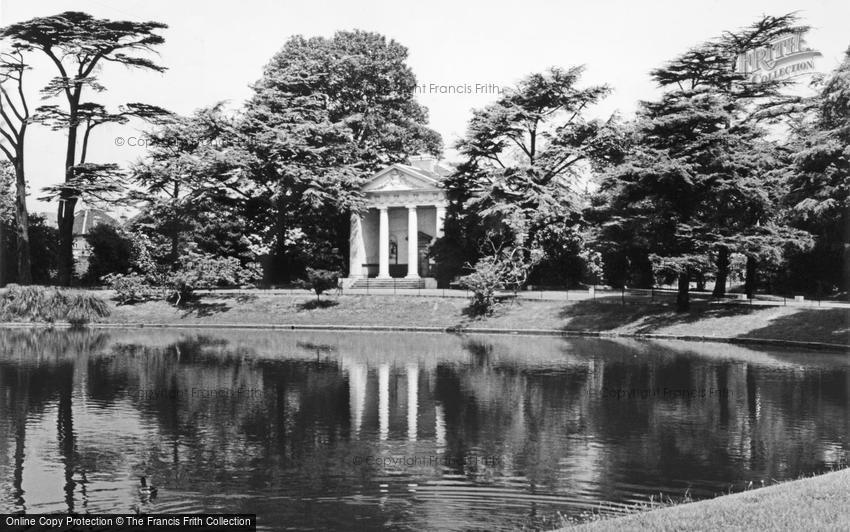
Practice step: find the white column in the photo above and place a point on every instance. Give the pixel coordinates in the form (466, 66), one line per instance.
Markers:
(383, 401)
(441, 218)
(412, 401)
(358, 375)
(412, 243)
(357, 247)
(384, 244)
(357, 381)
(439, 426)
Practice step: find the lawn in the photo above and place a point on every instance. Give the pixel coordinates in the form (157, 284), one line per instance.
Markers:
(817, 503)
(827, 325)
(270, 308)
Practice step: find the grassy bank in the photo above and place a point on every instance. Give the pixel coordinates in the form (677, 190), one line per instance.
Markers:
(727, 321)
(817, 503)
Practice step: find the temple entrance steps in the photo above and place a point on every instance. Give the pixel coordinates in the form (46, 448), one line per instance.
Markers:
(398, 283)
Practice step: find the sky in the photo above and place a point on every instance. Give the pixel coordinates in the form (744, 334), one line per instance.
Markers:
(214, 50)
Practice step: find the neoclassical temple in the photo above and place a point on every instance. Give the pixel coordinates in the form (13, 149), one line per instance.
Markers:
(404, 213)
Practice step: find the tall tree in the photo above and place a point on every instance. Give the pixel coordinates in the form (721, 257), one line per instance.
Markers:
(16, 118)
(701, 178)
(686, 165)
(820, 182)
(327, 113)
(747, 218)
(77, 44)
(526, 155)
(195, 189)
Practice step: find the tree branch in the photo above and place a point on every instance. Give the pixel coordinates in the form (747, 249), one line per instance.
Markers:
(49, 51)
(12, 158)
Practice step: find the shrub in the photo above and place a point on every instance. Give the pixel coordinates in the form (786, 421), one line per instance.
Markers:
(30, 303)
(201, 270)
(82, 308)
(506, 268)
(143, 260)
(194, 271)
(131, 288)
(43, 304)
(321, 280)
(483, 282)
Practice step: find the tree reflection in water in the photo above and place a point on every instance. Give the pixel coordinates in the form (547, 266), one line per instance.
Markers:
(36, 370)
(321, 429)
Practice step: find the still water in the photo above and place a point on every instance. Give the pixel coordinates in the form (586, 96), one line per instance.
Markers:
(402, 431)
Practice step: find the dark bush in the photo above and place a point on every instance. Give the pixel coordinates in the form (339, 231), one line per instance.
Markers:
(111, 252)
(43, 238)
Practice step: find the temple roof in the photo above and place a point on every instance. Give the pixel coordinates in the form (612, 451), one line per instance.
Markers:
(421, 172)
(424, 173)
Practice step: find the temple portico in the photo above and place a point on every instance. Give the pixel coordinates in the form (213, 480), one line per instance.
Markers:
(404, 213)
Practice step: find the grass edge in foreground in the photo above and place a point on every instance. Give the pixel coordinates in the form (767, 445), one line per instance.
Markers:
(789, 504)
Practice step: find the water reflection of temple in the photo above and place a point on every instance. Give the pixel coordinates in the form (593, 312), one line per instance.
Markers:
(406, 378)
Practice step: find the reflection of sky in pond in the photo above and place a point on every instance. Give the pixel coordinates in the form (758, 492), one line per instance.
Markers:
(410, 431)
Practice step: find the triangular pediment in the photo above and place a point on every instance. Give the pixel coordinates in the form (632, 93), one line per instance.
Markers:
(399, 178)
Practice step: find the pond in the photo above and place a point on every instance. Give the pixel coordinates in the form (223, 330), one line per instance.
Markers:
(320, 430)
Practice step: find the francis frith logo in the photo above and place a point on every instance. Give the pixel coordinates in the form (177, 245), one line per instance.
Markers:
(784, 57)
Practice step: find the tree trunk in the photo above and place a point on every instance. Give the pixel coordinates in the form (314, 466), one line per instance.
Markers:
(722, 272)
(2, 253)
(22, 223)
(750, 278)
(700, 279)
(175, 246)
(846, 268)
(175, 233)
(66, 239)
(267, 264)
(68, 200)
(281, 263)
(683, 303)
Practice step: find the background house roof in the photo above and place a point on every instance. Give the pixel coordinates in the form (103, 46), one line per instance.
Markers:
(88, 218)
(84, 220)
